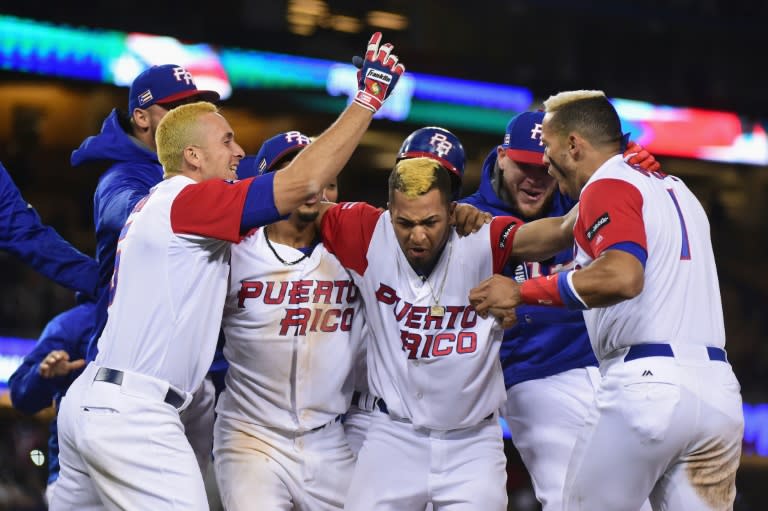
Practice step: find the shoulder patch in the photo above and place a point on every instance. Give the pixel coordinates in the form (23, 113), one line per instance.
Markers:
(505, 234)
(601, 222)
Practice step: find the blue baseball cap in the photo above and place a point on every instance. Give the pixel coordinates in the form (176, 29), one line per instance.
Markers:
(271, 152)
(165, 84)
(522, 140)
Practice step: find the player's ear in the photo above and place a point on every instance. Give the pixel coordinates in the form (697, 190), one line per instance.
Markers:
(191, 156)
(140, 118)
(452, 213)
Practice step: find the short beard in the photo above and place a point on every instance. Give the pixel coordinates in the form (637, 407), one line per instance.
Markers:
(307, 218)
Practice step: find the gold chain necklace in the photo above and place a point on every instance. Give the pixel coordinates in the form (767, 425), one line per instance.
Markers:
(436, 310)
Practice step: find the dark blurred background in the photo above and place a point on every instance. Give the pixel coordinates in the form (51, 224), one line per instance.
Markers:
(705, 53)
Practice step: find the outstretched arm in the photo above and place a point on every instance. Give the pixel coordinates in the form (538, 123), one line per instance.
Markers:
(317, 165)
(40, 246)
(541, 239)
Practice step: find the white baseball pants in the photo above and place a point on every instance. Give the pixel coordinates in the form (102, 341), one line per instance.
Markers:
(665, 427)
(402, 468)
(264, 468)
(123, 447)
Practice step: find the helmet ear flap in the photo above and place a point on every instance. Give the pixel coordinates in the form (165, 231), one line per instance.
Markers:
(442, 146)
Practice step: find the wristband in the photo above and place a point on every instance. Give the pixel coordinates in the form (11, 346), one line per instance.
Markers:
(553, 290)
(568, 293)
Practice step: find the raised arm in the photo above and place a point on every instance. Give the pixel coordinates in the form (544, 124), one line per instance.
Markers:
(322, 160)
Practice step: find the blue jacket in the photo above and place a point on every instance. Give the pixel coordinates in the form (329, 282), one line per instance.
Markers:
(69, 331)
(40, 246)
(130, 170)
(545, 340)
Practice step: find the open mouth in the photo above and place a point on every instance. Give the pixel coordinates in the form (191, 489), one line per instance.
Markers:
(532, 196)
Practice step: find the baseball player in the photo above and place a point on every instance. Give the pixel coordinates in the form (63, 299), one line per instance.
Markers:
(432, 363)
(40, 246)
(290, 322)
(667, 420)
(50, 368)
(126, 145)
(121, 439)
(549, 369)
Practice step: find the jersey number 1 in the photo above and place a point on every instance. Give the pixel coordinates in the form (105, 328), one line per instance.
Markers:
(685, 249)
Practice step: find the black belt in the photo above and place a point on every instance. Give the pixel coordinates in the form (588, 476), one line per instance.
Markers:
(383, 407)
(115, 376)
(337, 419)
(665, 350)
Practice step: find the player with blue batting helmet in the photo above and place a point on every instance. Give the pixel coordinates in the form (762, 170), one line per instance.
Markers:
(438, 144)
(272, 153)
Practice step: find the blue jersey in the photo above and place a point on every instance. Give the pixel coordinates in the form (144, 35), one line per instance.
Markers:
(40, 246)
(131, 169)
(69, 331)
(545, 340)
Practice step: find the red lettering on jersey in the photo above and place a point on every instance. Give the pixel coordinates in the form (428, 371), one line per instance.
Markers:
(248, 289)
(299, 291)
(415, 316)
(297, 318)
(469, 318)
(352, 292)
(433, 322)
(466, 343)
(274, 300)
(315, 318)
(411, 342)
(386, 295)
(327, 320)
(437, 350)
(341, 285)
(328, 324)
(323, 289)
(453, 313)
(427, 344)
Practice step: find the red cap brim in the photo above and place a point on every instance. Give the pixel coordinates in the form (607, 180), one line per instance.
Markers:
(530, 157)
(203, 95)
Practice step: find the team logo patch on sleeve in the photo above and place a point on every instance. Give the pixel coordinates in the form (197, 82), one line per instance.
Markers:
(601, 222)
(505, 234)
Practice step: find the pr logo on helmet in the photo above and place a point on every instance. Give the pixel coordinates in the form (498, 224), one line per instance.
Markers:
(441, 144)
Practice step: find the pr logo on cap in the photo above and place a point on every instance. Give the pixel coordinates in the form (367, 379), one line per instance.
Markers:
(522, 140)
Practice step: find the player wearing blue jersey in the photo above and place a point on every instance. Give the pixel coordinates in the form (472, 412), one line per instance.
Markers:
(48, 370)
(549, 368)
(40, 246)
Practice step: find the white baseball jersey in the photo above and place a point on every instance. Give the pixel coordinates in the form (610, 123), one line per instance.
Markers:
(655, 216)
(438, 371)
(170, 279)
(289, 337)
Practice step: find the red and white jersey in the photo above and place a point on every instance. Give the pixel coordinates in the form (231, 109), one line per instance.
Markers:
(170, 280)
(440, 372)
(292, 335)
(628, 208)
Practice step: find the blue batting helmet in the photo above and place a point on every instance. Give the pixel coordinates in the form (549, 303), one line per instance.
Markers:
(436, 143)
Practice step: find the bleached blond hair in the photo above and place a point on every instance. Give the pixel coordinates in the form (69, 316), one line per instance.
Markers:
(417, 176)
(178, 130)
(587, 112)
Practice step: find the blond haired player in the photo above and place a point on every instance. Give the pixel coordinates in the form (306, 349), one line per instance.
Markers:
(667, 421)
(432, 361)
(122, 442)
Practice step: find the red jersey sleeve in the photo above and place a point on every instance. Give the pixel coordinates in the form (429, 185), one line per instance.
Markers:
(503, 230)
(347, 229)
(610, 212)
(212, 208)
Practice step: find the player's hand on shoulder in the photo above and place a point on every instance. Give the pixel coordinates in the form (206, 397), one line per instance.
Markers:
(57, 363)
(497, 296)
(379, 72)
(637, 155)
(468, 219)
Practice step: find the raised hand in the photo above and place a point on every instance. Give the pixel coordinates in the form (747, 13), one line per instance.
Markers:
(378, 75)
